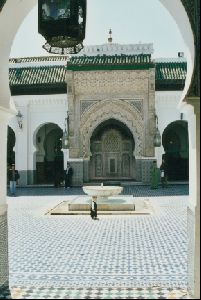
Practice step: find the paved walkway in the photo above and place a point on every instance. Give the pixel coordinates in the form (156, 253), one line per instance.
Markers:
(118, 257)
(136, 190)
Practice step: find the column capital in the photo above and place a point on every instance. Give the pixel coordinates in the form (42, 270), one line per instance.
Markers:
(195, 102)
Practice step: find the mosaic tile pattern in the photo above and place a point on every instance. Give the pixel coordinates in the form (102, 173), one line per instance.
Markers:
(191, 249)
(110, 293)
(116, 251)
(3, 250)
(136, 190)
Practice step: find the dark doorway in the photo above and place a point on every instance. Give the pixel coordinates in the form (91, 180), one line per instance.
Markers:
(10, 146)
(49, 157)
(176, 146)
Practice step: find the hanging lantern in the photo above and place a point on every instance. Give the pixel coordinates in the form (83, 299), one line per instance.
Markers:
(65, 142)
(157, 139)
(65, 138)
(62, 23)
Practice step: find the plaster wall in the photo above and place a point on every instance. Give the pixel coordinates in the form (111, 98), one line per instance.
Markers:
(168, 111)
(37, 111)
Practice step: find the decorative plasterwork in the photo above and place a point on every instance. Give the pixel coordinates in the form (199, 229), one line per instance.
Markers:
(114, 109)
(85, 105)
(111, 82)
(138, 105)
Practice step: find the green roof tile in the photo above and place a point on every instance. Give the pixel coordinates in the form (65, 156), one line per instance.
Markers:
(171, 71)
(116, 62)
(52, 78)
(171, 75)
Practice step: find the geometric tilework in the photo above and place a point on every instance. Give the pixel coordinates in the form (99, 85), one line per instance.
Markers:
(115, 252)
(110, 293)
(136, 190)
(191, 249)
(3, 250)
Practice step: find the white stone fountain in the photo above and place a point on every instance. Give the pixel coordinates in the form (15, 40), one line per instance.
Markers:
(102, 192)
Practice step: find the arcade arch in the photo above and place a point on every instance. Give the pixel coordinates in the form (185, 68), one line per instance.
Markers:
(48, 155)
(11, 140)
(176, 146)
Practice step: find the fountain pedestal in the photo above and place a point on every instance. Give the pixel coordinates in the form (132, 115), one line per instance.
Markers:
(102, 192)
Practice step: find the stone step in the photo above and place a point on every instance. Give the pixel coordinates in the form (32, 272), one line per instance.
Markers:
(72, 213)
(102, 207)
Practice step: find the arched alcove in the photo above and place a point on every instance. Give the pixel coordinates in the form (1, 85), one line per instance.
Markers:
(11, 140)
(112, 148)
(48, 157)
(176, 146)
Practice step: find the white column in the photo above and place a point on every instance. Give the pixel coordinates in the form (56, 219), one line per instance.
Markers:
(21, 148)
(158, 154)
(66, 157)
(193, 115)
(5, 114)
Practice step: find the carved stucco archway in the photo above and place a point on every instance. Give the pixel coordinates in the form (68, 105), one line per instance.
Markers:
(113, 109)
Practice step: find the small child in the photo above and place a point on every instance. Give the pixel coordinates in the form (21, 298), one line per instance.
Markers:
(94, 208)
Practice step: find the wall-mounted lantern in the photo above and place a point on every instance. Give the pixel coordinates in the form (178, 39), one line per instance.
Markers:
(19, 117)
(65, 138)
(62, 23)
(157, 137)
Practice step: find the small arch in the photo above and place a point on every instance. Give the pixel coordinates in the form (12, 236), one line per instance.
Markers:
(176, 146)
(11, 140)
(48, 157)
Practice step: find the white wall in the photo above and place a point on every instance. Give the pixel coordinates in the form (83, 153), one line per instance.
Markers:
(168, 111)
(37, 110)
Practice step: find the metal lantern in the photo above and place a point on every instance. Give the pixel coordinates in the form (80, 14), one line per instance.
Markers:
(65, 140)
(157, 139)
(19, 117)
(62, 23)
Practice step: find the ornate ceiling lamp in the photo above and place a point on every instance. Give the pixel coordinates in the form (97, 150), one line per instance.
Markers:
(62, 23)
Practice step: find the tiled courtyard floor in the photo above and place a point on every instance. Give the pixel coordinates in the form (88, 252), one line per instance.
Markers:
(117, 257)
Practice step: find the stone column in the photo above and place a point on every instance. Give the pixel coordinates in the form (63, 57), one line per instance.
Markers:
(194, 206)
(197, 208)
(66, 157)
(21, 148)
(5, 114)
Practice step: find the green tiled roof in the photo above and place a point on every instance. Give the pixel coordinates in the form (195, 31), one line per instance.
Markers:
(116, 62)
(171, 73)
(37, 80)
(51, 79)
(39, 59)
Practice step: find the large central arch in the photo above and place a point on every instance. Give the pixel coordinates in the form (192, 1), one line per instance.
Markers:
(9, 29)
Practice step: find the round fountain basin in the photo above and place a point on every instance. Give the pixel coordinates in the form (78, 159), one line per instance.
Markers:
(102, 191)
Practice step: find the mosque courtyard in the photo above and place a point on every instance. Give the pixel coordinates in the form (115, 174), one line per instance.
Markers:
(117, 257)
